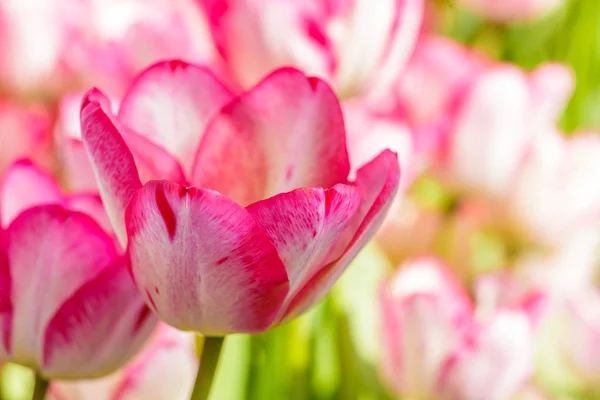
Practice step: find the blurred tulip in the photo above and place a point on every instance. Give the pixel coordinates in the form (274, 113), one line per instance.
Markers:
(164, 370)
(435, 347)
(511, 10)
(438, 72)
(69, 306)
(357, 45)
(245, 231)
(49, 47)
(580, 339)
(25, 132)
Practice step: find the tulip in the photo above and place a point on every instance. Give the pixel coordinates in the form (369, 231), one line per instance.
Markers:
(356, 45)
(68, 304)
(271, 221)
(509, 11)
(49, 47)
(436, 346)
(163, 370)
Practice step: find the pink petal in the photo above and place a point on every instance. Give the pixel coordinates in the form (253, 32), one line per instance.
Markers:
(202, 261)
(377, 183)
(308, 228)
(171, 103)
(114, 166)
(24, 185)
(90, 204)
(98, 328)
(285, 133)
(51, 253)
(6, 307)
(493, 365)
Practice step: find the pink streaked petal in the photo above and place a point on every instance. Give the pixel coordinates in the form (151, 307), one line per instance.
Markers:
(25, 185)
(285, 133)
(51, 253)
(308, 228)
(152, 160)
(494, 364)
(171, 103)
(113, 163)
(98, 328)
(202, 261)
(377, 182)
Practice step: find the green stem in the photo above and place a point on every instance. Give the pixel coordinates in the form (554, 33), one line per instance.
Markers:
(208, 364)
(40, 387)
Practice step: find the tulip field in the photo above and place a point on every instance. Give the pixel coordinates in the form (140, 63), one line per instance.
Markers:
(299, 199)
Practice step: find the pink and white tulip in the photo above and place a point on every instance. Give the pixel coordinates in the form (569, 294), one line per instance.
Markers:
(509, 11)
(69, 308)
(270, 221)
(163, 370)
(49, 47)
(357, 45)
(435, 345)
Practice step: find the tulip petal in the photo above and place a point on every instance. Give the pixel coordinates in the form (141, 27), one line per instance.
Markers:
(285, 133)
(201, 260)
(89, 316)
(171, 103)
(377, 182)
(308, 228)
(51, 253)
(495, 365)
(24, 185)
(113, 163)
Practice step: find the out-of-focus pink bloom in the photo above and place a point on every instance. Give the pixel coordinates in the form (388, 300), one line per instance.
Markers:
(271, 221)
(439, 71)
(25, 132)
(68, 305)
(435, 347)
(56, 45)
(358, 45)
(495, 123)
(164, 370)
(580, 341)
(511, 10)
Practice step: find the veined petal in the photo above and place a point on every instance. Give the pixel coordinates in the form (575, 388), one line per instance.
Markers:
(377, 182)
(51, 253)
(285, 133)
(113, 163)
(98, 328)
(308, 228)
(171, 103)
(201, 260)
(24, 186)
